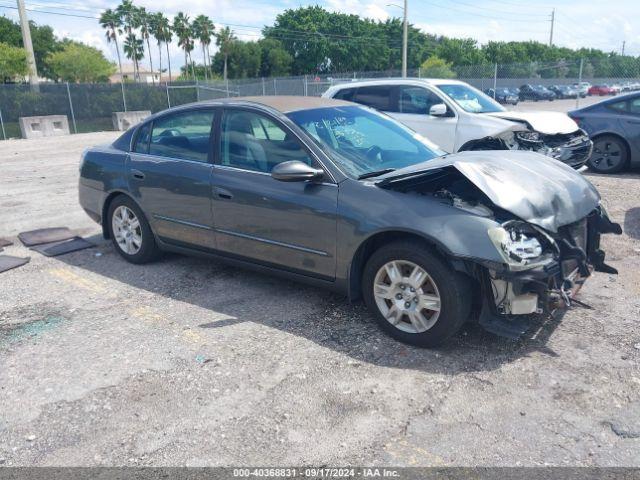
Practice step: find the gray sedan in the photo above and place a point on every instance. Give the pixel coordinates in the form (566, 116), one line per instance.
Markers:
(341, 196)
(614, 127)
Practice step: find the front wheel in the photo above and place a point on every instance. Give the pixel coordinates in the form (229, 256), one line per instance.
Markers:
(130, 232)
(415, 297)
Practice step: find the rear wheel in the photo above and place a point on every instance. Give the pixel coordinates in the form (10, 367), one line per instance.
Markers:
(415, 297)
(130, 232)
(610, 155)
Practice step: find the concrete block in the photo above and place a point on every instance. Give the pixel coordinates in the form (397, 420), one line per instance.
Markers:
(44, 126)
(124, 120)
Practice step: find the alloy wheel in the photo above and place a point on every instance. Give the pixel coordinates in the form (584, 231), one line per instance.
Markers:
(407, 296)
(127, 230)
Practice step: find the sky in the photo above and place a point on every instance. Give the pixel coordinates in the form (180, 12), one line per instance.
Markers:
(579, 23)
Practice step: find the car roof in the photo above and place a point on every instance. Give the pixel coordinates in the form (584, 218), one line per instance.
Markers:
(292, 103)
(399, 81)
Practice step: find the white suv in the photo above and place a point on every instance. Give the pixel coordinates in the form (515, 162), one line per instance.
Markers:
(457, 117)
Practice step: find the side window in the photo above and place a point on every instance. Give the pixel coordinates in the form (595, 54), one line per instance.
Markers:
(345, 94)
(417, 100)
(252, 141)
(183, 135)
(634, 106)
(378, 97)
(618, 106)
(142, 139)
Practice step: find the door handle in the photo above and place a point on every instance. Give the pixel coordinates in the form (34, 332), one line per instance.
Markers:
(223, 193)
(137, 174)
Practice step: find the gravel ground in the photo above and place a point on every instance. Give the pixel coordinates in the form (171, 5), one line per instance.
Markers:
(191, 362)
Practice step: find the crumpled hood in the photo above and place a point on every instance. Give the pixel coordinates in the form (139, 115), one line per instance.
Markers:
(550, 123)
(531, 186)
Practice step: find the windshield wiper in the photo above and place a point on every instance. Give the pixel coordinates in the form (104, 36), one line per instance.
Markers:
(375, 173)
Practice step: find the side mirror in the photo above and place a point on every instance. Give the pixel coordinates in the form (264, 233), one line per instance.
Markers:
(295, 171)
(438, 110)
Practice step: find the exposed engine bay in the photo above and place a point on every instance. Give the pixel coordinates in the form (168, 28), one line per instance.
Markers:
(573, 149)
(542, 268)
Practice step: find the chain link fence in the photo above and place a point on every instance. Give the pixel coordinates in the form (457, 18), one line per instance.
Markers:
(89, 107)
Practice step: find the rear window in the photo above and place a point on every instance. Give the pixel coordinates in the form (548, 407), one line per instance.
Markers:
(345, 94)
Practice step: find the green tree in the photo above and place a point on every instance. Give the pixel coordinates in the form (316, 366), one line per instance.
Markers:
(134, 51)
(203, 30)
(77, 62)
(161, 31)
(224, 40)
(184, 32)
(436, 67)
(141, 18)
(111, 22)
(13, 62)
(275, 61)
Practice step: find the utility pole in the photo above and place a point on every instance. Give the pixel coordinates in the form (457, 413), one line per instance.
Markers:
(553, 19)
(623, 45)
(405, 37)
(26, 40)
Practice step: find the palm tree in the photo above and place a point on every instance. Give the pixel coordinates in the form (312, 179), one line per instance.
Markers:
(110, 21)
(184, 32)
(126, 11)
(134, 50)
(161, 31)
(142, 22)
(224, 39)
(203, 29)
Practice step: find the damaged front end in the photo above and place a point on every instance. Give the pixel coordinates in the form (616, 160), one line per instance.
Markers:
(547, 225)
(573, 149)
(543, 271)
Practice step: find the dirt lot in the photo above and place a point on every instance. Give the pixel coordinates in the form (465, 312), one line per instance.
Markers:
(190, 362)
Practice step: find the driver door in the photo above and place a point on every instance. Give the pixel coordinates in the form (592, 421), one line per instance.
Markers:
(289, 225)
(413, 110)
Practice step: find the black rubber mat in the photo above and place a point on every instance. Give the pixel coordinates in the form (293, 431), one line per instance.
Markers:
(45, 235)
(7, 262)
(60, 248)
(5, 243)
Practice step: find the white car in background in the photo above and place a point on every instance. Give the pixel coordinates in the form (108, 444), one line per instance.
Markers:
(457, 117)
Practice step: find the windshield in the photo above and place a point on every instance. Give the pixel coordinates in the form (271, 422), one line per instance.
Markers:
(470, 99)
(362, 141)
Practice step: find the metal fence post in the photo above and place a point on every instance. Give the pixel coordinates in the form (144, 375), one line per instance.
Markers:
(495, 80)
(4, 134)
(124, 98)
(275, 88)
(73, 115)
(227, 85)
(166, 84)
(579, 82)
(419, 72)
(264, 88)
(306, 87)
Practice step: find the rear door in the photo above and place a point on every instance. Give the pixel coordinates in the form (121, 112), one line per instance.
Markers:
(169, 174)
(290, 225)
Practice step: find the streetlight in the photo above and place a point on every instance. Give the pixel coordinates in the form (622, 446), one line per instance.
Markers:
(404, 36)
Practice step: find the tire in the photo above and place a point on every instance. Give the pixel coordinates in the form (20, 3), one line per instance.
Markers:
(610, 155)
(139, 233)
(441, 282)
